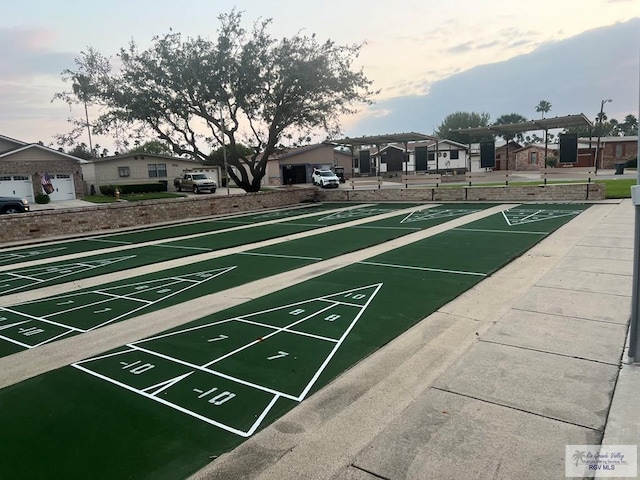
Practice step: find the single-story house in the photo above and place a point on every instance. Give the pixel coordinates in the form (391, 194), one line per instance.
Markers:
(443, 156)
(296, 165)
(138, 168)
(614, 150)
(23, 166)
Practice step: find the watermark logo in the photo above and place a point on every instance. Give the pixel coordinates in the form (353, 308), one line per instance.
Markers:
(601, 461)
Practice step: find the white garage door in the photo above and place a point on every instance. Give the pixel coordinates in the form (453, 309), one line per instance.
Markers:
(16, 186)
(63, 188)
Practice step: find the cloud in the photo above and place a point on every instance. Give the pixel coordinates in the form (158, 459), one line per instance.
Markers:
(25, 52)
(573, 74)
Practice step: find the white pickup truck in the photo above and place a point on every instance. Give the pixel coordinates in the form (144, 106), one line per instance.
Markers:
(196, 182)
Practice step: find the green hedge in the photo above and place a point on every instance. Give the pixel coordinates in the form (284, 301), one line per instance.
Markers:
(42, 198)
(633, 163)
(110, 190)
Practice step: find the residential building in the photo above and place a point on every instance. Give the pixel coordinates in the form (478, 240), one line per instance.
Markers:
(23, 166)
(137, 168)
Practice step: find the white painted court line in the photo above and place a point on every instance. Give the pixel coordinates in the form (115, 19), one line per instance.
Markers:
(19, 255)
(197, 327)
(153, 390)
(410, 267)
(497, 231)
(278, 256)
(296, 332)
(104, 240)
(387, 228)
(33, 317)
(205, 370)
(515, 215)
(275, 332)
(22, 277)
(194, 259)
(110, 297)
(363, 308)
(52, 339)
(184, 248)
(169, 404)
(130, 312)
(60, 269)
(407, 217)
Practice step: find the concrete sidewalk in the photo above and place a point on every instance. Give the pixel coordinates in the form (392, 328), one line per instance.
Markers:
(492, 386)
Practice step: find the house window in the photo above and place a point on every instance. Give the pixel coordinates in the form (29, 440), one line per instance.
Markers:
(619, 151)
(5, 178)
(431, 156)
(534, 158)
(20, 177)
(454, 154)
(123, 171)
(157, 170)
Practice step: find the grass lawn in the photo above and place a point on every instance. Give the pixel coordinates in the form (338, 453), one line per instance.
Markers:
(618, 188)
(615, 188)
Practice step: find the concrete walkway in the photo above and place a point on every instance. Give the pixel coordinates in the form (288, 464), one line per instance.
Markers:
(492, 386)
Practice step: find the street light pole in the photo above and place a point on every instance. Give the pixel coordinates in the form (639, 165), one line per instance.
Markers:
(224, 152)
(600, 115)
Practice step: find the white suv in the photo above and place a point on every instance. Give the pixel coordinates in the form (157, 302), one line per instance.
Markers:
(325, 178)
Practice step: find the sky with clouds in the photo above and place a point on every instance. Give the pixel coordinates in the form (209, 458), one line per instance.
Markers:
(410, 44)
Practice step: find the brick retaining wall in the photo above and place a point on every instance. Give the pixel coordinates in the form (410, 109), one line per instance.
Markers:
(525, 193)
(48, 224)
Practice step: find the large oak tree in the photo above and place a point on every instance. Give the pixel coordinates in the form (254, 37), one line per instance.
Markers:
(245, 86)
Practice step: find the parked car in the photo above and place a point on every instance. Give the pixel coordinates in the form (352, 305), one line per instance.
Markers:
(13, 205)
(195, 181)
(325, 178)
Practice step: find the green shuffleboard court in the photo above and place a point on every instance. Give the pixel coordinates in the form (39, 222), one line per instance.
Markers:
(164, 406)
(35, 323)
(154, 233)
(52, 272)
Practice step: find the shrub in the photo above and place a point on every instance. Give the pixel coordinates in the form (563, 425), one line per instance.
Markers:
(552, 162)
(109, 190)
(42, 198)
(633, 163)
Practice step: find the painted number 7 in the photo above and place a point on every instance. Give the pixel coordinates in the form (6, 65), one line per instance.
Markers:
(280, 354)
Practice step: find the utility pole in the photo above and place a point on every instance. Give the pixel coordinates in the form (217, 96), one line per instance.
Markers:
(600, 116)
(224, 152)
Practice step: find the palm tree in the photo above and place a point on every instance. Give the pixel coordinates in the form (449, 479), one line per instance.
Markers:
(83, 90)
(630, 125)
(544, 107)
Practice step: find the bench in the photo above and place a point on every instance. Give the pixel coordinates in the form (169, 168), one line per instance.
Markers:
(428, 180)
(487, 177)
(572, 173)
(366, 182)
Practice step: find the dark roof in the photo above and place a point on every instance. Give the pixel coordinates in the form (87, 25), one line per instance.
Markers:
(9, 139)
(27, 146)
(381, 139)
(541, 124)
(144, 154)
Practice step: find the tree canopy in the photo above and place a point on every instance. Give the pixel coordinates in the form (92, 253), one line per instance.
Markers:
(155, 147)
(511, 118)
(459, 120)
(196, 94)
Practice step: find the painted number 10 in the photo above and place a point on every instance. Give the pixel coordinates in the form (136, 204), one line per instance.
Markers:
(355, 296)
